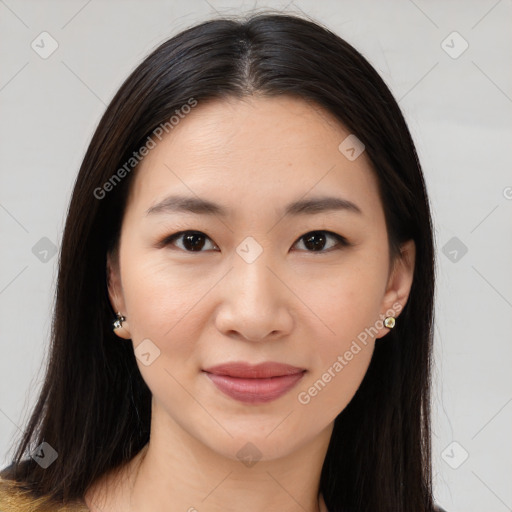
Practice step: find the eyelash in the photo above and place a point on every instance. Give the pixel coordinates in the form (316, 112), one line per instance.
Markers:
(341, 241)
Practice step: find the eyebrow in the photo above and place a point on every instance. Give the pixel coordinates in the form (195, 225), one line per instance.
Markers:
(184, 204)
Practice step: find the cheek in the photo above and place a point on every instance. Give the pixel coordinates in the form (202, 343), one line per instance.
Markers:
(349, 307)
(161, 298)
(328, 390)
(341, 357)
(163, 304)
(346, 299)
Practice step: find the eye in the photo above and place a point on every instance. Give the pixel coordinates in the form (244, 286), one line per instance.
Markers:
(316, 241)
(192, 241)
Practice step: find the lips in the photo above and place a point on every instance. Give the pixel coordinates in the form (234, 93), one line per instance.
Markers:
(259, 371)
(254, 383)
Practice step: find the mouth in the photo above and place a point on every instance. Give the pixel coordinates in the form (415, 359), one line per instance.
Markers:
(254, 383)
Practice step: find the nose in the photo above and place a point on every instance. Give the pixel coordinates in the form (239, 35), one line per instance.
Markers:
(256, 301)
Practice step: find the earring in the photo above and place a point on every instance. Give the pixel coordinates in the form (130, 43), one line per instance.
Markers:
(389, 322)
(118, 322)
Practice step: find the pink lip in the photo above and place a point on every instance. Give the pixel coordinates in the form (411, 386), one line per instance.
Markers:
(255, 384)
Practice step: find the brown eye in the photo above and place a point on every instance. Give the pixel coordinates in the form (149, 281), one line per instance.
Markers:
(191, 241)
(316, 241)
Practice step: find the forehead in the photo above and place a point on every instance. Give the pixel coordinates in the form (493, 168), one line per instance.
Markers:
(255, 150)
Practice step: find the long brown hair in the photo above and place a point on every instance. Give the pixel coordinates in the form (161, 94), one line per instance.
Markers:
(94, 407)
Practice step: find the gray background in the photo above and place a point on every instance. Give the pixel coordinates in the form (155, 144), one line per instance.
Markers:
(459, 111)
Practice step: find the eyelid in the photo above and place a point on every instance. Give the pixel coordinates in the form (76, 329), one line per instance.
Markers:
(170, 238)
(341, 240)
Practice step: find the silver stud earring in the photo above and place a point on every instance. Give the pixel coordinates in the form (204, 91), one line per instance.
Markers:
(118, 322)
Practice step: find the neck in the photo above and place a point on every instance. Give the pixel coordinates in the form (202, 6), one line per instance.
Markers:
(176, 468)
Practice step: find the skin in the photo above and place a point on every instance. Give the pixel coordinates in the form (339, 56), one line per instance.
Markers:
(291, 305)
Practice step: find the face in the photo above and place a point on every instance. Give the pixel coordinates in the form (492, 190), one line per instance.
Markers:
(251, 279)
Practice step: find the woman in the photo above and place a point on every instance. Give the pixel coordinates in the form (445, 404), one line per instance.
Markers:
(245, 295)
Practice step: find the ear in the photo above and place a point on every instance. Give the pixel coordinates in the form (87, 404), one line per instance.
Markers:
(399, 284)
(115, 293)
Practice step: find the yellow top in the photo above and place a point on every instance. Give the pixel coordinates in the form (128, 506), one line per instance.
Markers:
(15, 498)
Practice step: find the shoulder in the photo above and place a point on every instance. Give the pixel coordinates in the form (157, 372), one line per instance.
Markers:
(439, 509)
(17, 497)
